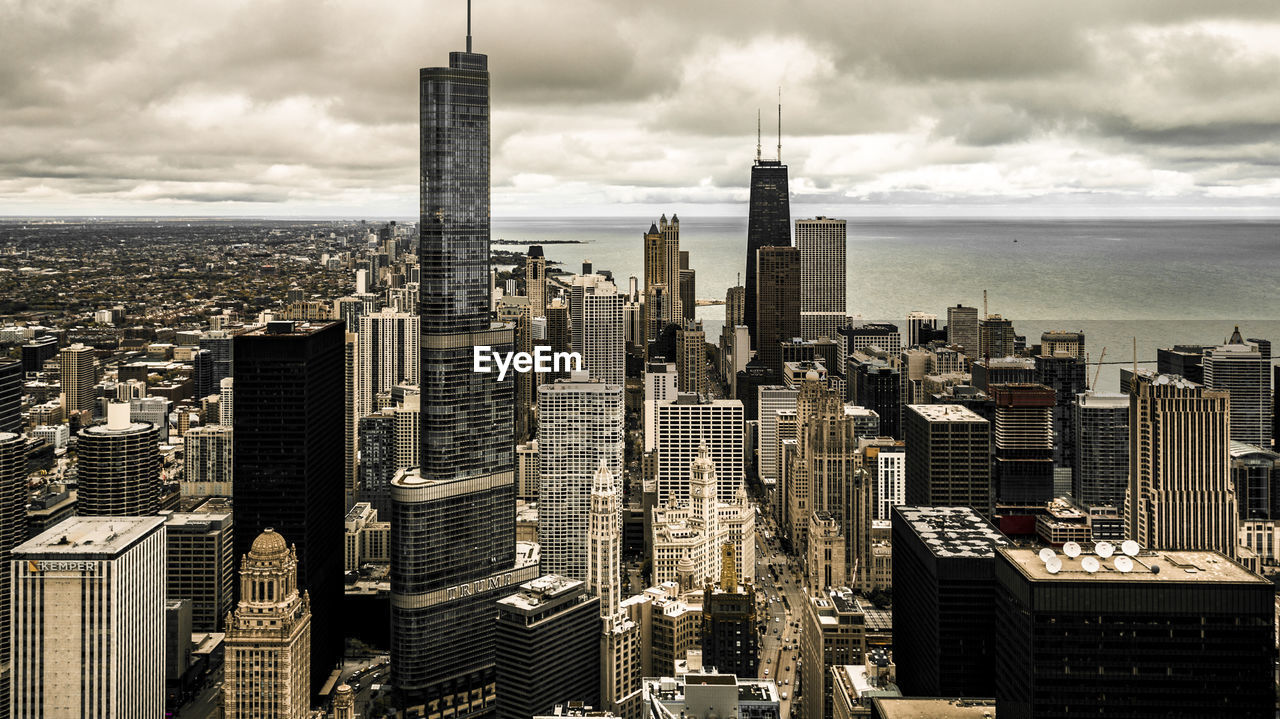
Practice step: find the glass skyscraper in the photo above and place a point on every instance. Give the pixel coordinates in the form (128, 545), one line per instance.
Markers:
(768, 224)
(453, 543)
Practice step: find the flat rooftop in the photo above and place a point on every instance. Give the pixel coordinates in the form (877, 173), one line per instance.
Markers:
(953, 531)
(912, 708)
(535, 593)
(1161, 566)
(947, 413)
(88, 538)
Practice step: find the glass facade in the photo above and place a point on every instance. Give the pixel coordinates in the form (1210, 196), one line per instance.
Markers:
(768, 225)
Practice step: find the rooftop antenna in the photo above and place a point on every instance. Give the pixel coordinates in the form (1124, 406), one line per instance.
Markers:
(985, 315)
(757, 136)
(468, 25)
(779, 123)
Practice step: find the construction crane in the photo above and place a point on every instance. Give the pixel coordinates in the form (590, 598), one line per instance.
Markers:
(1098, 371)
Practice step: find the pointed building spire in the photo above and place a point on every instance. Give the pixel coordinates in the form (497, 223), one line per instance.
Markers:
(468, 25)
(779, 123)
(757, 136)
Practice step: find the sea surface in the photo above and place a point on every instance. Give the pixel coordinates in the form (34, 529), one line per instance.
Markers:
(1162, 282)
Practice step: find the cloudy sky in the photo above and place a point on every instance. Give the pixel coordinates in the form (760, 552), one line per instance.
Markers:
(309, 107)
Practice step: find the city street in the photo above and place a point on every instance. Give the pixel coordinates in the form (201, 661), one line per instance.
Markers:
(782, 612)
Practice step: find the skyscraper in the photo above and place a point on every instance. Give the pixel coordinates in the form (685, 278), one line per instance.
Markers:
(595, 308)
(580, 430)
(119, 467)
(453, 519)
(1243, 369)
(10, 396)
(75, 585)
(13, 529)
(917, 324)
(823, 298)
(267, 673)
(289, 461)
(687, 423)
(387, 355)
(1101, 428)
(535, 281)
(948, 457)
(78, 378)
(777, 314)
(962, 328)
(1023, 463)
(768, 221)
(1179, 494)
(691, 358)
(201, 565)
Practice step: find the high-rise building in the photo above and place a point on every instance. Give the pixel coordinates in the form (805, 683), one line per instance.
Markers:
(688, 291)
(917, 322)
(1023, 437)
(387, 355)
(1158, 634)
(962, 329)
(707, 695)
(221, 354)
(1064, 373)
(875, 382)
(1186, 361)
(200, 565)
(768, 223)
(74, 585)
(835, 634)
(661, 383)
(1243, 369)
(13, 530)
(10, 396)
(289, 461)
(207, 466)
(1179, 494)
(620, 643)
(79, 375)
(685, 424)
(580, 429)
(730, 640)
(1101, 429)
(881, 335)
(548, 647)
(226, 402)
(535, 281)
(595, 309)
(995, 336)
(691, 358)
(119, 467)
(944, 585)
(948, 457)
(267, 674)
(887, 463)
(735, 299)
(378, 456)
(823, 298)
(777, 302)
(771, 400)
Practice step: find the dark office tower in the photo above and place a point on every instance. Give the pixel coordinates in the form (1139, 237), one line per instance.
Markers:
(36, 352)
(222, 354)
(1160, 634)
(996, 337)
(1275, 409)
(535, 281)
(548, 647)
(1065, 375)
(1023, 467)
(944, 585)
(948, 456)
(872, 334)
(876, 383)
(688, 293)
(962, 328)
(768, 225)
(202, 374)
(453, 518)
(13, 531)
(119, 467)
(1002, 370)
(1101, 430)
(378, 459)
(1254, 472)
(289, 461)
(777, 316)
(1186, 361)
(10, 396)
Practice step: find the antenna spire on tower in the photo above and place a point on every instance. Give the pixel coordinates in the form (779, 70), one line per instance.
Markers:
(468, 25)
(757, 136)
(779, 123)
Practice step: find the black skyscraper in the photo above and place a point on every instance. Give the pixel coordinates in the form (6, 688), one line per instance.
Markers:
(453, 518)
(768, 220)
(289, 461)
(10, 396)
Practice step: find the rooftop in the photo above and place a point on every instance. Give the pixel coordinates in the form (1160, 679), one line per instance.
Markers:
(946, 413)
(953, 531)
(1164, 566)
(538, 592)
(916, 708)
(89, 537)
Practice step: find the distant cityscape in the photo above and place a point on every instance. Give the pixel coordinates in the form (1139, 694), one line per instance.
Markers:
(253, 469)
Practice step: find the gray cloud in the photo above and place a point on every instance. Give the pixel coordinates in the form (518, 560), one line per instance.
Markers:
(293, 106)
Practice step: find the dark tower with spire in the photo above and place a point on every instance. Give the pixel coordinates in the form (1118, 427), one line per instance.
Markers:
(453, 517)
(768, 218)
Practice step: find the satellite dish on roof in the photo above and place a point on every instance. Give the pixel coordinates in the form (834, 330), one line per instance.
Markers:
(1104, 549)
(1053, 566)
(1130, 548)
(1124, 564)
(1090, 564)
(1046, 554)
(1071, 549)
